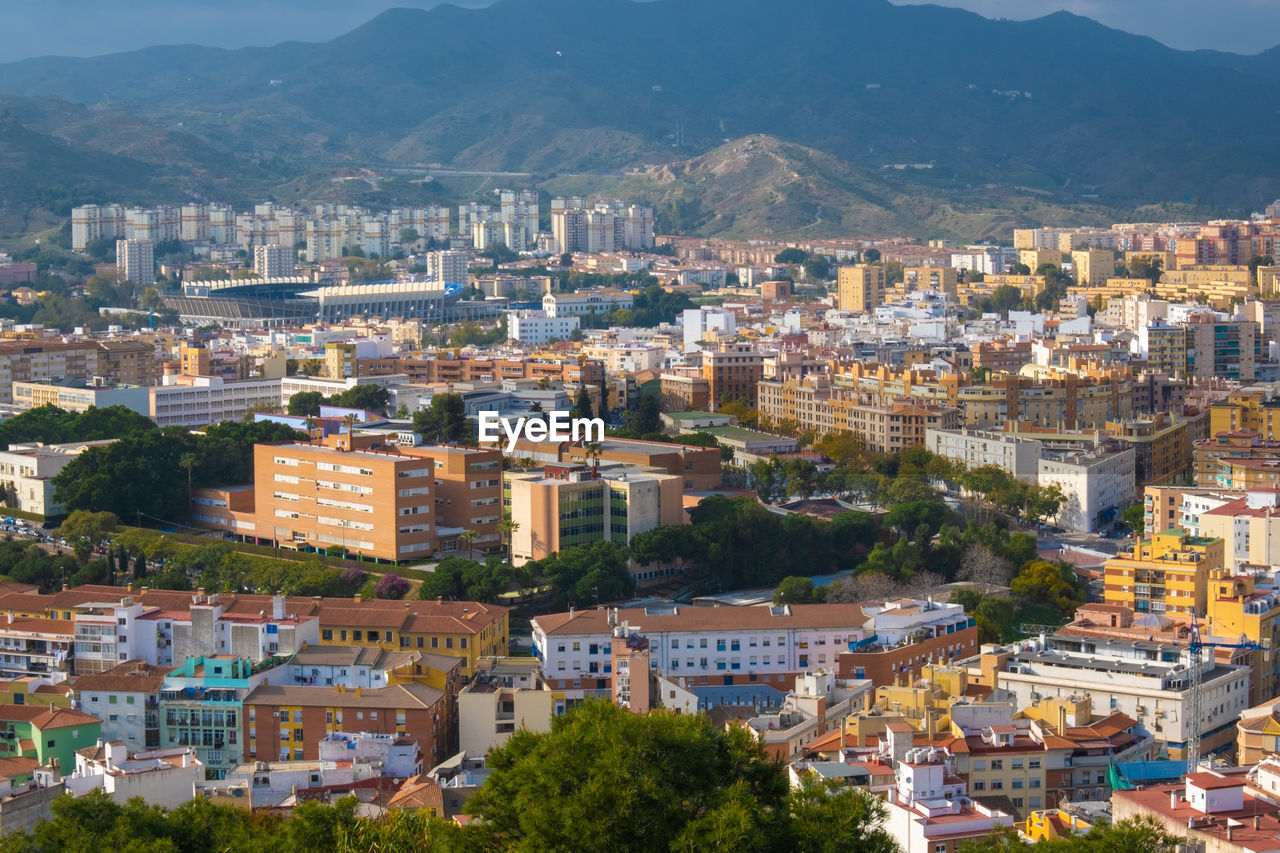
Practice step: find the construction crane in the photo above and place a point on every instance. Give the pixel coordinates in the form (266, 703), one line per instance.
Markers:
(1195, 660)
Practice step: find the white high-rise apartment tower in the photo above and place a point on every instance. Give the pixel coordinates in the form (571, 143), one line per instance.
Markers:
(135, 262)
(273, 261)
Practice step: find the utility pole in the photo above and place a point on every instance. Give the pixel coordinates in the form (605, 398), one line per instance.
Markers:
(1195, 655)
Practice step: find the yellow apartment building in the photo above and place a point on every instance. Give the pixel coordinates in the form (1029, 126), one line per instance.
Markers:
(1207, 453)
(467, 630)
(884, 426)
(1030, 286)
(860, 287)
(1166, 348)
(1220, 286)
(1093, 266)
(1168, 573)
(1034, 258)
(1246, 411)
(1111, 288)
(1251, 472)
(1237, 610)
(941, 279)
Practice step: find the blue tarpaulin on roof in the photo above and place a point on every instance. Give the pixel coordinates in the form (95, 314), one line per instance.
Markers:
(1152, 771)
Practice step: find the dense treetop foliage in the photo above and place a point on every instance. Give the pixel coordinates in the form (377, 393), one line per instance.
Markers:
(51, 425)
(144, 474)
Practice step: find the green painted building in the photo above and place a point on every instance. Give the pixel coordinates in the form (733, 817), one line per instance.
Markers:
(46, 734)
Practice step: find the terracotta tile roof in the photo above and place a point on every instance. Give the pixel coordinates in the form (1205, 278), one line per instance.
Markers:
(411, 695)
(1211, 781)
(46, 718)
(61, 627)
(1104, 728)
(17, 766)
(128, 677)
(418, 792)
(62, 689)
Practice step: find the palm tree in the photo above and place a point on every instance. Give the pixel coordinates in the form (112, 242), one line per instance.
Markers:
(349, 421)
(593, 451)
(310, 423)
(189, 461)
(507, 529)
(469, 537)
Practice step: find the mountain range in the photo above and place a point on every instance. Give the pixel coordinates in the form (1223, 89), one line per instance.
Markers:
(743, 114)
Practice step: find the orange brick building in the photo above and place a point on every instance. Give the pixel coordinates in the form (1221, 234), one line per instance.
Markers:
(288, 722)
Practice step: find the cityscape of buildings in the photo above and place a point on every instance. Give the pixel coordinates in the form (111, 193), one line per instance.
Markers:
(1114, 368)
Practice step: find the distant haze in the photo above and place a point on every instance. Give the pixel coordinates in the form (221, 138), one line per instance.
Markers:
(1237, 26)
(96, 27)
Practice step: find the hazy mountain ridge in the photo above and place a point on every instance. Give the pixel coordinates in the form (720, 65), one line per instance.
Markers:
(1058, 105)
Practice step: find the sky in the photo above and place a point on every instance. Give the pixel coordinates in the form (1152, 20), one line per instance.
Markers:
(94, 27)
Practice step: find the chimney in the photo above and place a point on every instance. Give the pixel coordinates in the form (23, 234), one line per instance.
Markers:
(1173, 799)
(277, 607)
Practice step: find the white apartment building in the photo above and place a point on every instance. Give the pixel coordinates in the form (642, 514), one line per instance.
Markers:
(194, 227)
(399, 755)
(586, 302)
(506, 694)
(76, 395)
(1097, 487)
(448, 267)
(989, 260)
(36, 647)
(274, 261)
(609, 226)
(135, 262)
(95, 222)
(1148, 682)
(725, 645)
(348, 666)
(30, 468)
(626, 358)
(163, 777)
(519, 210)
(126, 699)
(105, 636)
(1249, 528)
(1135, 313)
(698, 322)
(290, 385)
(121, 629)
(535, 327)
(202, 400)
(929, 809)
(975, 448)
(206, 629)
(270, 784)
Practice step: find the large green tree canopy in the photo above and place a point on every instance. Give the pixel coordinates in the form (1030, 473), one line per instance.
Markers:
(606, 779)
